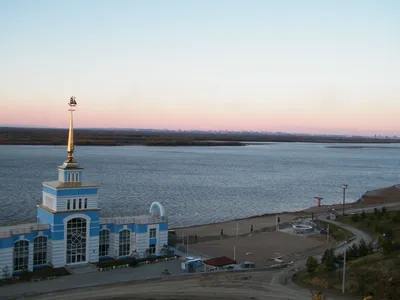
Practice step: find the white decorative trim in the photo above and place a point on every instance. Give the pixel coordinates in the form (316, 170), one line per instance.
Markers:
(156, 203)
(87, 218)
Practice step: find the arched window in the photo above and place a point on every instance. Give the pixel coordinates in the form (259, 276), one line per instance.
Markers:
(104, 242)
(73, 177)
(124, 242)
(77, 177)
(69, 177)
(76, 240)
(21, 255)
(40, 250)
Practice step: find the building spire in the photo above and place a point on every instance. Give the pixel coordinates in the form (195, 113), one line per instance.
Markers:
(70, 149)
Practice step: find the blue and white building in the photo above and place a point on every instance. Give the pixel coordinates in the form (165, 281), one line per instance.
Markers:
(69, 229)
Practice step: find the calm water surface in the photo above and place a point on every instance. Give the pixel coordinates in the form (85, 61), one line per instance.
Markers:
(200, 184)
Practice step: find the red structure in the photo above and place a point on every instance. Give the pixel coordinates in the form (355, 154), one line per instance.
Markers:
(319, 199)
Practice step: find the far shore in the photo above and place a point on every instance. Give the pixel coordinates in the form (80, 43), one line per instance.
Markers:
(363, 147)
(128, 137)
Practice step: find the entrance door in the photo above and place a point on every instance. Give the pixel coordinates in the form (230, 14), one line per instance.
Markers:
(76, 240)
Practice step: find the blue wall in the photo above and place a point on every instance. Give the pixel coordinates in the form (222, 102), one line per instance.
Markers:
(163, 227)
(44, 216)
(141, 228)
(56, 222)
(70, 192)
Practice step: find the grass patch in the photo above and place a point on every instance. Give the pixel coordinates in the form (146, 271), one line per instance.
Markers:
(336, 232)
(375, 273)
(376, 224)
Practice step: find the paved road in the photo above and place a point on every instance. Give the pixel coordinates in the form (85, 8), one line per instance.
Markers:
(92, 279)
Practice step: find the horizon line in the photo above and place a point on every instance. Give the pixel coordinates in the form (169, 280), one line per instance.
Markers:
(202, 130)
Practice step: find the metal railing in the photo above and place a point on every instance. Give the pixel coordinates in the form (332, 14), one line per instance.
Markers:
(24, 230)
(132, 220)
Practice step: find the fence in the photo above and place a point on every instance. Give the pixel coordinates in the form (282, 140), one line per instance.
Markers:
(24, 230)
(132, 220)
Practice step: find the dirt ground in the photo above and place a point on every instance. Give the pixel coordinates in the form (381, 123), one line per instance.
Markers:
(262, 246)
(233, 285)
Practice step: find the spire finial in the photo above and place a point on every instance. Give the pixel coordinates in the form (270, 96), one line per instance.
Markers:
(70, 149)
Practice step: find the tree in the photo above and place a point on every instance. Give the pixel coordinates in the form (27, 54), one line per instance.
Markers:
(363, 249)
(355, 218)
(311, 264)
(329, 258)
(164, 250)
(363, 215)
(147, 253)
(135, 254)
(384, 210)
(386, 245)
(6, 272)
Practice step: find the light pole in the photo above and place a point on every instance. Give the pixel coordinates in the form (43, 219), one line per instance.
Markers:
(344, 187)
(344, 262)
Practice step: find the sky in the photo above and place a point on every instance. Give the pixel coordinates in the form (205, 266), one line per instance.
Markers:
(307, 66)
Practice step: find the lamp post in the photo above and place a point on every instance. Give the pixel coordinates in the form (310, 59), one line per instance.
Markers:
(344, 262)
(344, 187)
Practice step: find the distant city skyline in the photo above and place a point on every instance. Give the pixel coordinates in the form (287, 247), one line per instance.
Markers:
(318, 67)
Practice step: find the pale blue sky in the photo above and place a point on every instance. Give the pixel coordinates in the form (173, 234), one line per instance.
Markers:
(310, 66)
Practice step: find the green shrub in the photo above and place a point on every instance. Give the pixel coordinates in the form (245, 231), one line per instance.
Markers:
(311, 264)
(355, 218)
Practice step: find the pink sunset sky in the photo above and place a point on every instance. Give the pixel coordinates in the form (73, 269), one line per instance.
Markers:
(317, 67)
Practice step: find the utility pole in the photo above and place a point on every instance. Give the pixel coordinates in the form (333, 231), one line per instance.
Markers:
(344, 187)
(237, 228)
(327, 235)
(344, 262)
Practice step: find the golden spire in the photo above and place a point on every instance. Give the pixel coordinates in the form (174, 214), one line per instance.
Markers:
(70, 149)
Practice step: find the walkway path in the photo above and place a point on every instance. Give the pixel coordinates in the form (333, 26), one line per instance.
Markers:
(92, 279)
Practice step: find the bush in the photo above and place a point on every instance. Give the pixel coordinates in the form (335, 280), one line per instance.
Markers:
(363, 215)
(311, 264)
(329, 258)
(355, 218)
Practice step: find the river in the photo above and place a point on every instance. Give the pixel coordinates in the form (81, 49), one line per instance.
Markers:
(199, 185)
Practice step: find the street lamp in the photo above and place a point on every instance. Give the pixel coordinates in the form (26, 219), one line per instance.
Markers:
(344, 261)
(344, 187)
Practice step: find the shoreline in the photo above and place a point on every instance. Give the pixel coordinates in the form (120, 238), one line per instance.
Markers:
(267, 220)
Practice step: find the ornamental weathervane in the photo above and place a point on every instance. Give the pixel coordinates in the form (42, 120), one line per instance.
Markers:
(70, 149)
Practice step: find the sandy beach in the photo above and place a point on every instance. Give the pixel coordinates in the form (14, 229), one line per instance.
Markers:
(264, 243)
(260, 223)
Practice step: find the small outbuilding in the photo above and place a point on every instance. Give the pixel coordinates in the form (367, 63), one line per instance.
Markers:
(218, 263)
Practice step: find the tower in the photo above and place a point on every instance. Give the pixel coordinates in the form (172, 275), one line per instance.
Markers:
(70, 206)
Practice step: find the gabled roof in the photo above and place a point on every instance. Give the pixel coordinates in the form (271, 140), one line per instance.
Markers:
(220, 261)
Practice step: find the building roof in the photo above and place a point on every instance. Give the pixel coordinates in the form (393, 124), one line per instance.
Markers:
(219, 261)
(65, 185)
